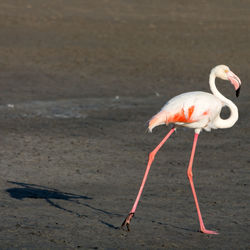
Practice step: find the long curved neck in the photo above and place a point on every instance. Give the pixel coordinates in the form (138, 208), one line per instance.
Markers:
(219, 122)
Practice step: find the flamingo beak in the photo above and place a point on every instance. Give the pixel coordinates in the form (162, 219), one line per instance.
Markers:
(238, 92)
(235, 80)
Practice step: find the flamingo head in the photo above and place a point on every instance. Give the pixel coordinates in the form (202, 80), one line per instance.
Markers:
(223, 72)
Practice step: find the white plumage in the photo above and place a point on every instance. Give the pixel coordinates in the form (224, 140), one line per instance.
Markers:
(205, 108)
(200, 110)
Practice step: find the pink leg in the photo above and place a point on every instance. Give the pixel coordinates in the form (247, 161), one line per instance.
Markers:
(190, 176)
(127, 220)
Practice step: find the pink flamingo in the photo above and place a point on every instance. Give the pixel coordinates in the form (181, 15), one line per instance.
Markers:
(197, 110)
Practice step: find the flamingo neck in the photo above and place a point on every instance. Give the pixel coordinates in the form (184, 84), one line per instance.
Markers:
(234, 115)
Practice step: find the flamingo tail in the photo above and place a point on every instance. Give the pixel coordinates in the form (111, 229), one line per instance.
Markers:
(159, 119)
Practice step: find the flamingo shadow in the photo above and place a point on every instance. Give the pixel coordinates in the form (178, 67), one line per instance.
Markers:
(33, 191)
(40, 192)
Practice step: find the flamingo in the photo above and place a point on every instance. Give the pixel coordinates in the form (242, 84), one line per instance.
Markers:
(197, 110)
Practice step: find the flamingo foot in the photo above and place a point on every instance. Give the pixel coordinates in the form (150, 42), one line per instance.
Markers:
(205, 231)
(127, 220)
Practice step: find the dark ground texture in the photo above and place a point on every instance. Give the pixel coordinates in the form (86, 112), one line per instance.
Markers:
(79, 80)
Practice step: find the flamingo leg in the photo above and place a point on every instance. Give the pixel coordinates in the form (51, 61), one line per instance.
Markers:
(127, 220)
(190, 177)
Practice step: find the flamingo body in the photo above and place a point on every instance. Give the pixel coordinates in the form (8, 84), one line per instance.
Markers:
(193, 110)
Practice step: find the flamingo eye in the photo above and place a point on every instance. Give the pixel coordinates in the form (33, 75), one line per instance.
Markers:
(226, 70)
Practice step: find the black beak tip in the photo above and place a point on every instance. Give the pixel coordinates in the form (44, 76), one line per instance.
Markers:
(238, 92)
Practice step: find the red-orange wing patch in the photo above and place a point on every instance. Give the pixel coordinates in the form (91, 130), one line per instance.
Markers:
(190, 112)
(180, 117)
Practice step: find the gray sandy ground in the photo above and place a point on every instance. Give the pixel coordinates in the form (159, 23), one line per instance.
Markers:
(78, 81)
